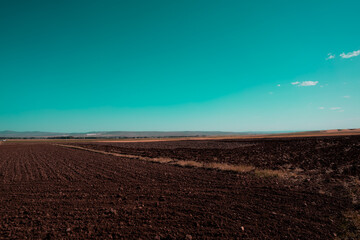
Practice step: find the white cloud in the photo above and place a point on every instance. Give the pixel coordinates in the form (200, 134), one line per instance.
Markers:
(308, 83)
(346, 96)
(321, 108)
(305, 83)
(335, 108)
(341, 110)
(278, 85)
(350, 54)
(271, 93)
(330, 56)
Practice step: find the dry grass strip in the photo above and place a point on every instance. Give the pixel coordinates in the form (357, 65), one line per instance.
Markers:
(194, 164)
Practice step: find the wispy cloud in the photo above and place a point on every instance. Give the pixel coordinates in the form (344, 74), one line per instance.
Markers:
(346, 96)
(305, 83)
(350, 54)
(309, 83)
(330, 56)
(278, 85)
(337, 109)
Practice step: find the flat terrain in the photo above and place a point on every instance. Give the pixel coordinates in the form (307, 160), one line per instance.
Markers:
(50, 191)
(337, 155)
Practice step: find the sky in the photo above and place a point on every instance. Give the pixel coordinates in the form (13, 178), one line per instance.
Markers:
(77, 66)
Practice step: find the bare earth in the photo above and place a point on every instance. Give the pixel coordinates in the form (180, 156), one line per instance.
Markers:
(49, 191)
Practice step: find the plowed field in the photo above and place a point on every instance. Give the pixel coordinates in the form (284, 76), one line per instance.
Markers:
(52, 192)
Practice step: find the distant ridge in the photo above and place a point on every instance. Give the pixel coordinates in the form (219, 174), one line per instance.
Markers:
(126, 134)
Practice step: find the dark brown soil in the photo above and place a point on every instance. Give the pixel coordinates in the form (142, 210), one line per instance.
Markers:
(53, 192)
(339, 155)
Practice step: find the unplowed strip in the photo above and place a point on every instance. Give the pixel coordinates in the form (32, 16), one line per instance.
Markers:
(189, 163)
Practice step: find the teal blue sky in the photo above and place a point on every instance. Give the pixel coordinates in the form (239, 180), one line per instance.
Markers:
(179, 65)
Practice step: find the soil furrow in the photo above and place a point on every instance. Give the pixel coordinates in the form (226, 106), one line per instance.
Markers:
(52, 192)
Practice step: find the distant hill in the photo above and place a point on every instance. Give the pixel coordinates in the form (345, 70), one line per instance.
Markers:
(170, 134)
(14, 134)
(123, 134)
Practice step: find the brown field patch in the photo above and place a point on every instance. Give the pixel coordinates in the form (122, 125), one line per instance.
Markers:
(117, 190)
